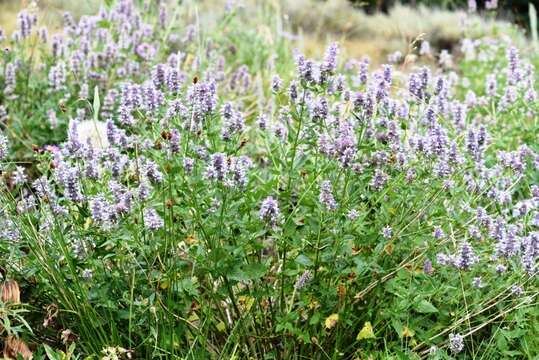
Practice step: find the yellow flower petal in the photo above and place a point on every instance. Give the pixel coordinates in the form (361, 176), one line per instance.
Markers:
(331, 321)
(406, 332)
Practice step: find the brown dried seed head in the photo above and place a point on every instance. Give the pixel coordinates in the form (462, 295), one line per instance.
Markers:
(14, 347)
(341, 291)
(52, 314)
(68, 336)
(9, 292)
(166, 134)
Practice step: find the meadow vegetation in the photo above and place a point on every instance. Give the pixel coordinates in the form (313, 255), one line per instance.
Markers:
(196, 181)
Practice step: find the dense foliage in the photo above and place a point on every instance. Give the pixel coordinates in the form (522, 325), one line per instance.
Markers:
(171, 193)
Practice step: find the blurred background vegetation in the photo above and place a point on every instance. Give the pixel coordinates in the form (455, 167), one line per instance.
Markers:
(515, 10)
(363, 27)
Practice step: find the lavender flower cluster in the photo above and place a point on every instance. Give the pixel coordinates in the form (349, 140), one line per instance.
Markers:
(364, 113)
(323, 145)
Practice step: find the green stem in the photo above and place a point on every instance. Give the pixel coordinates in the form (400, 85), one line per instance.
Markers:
(317, 256)
(282, 278)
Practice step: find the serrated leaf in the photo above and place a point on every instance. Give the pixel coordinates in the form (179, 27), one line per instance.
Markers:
(255, 271)
(513, 334)
(425, 307)
(248, 272)
(512, 353)
(367, 332)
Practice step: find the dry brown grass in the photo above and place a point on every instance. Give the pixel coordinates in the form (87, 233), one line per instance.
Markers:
(49, 11)
(380, 34)
(10, 292)
(15, 348)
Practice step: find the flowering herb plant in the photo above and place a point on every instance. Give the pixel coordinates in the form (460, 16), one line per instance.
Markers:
(185, 201)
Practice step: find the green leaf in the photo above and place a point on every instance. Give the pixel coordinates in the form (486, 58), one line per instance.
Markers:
(501, 343)
(221, 326)
(188, 285)
(255, 271)
(512, 353)
(123, 314)
(513, 334)
(366, 332)
(425, 307)
(315, 319)
(51, 354)
(248, 272)
(304, 260)
(397, 325)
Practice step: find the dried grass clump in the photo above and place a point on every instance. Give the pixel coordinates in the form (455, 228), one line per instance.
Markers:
(10, 292)
(49, 11)
(13, 347)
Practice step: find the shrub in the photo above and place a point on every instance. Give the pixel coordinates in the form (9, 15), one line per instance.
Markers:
(198, 208)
